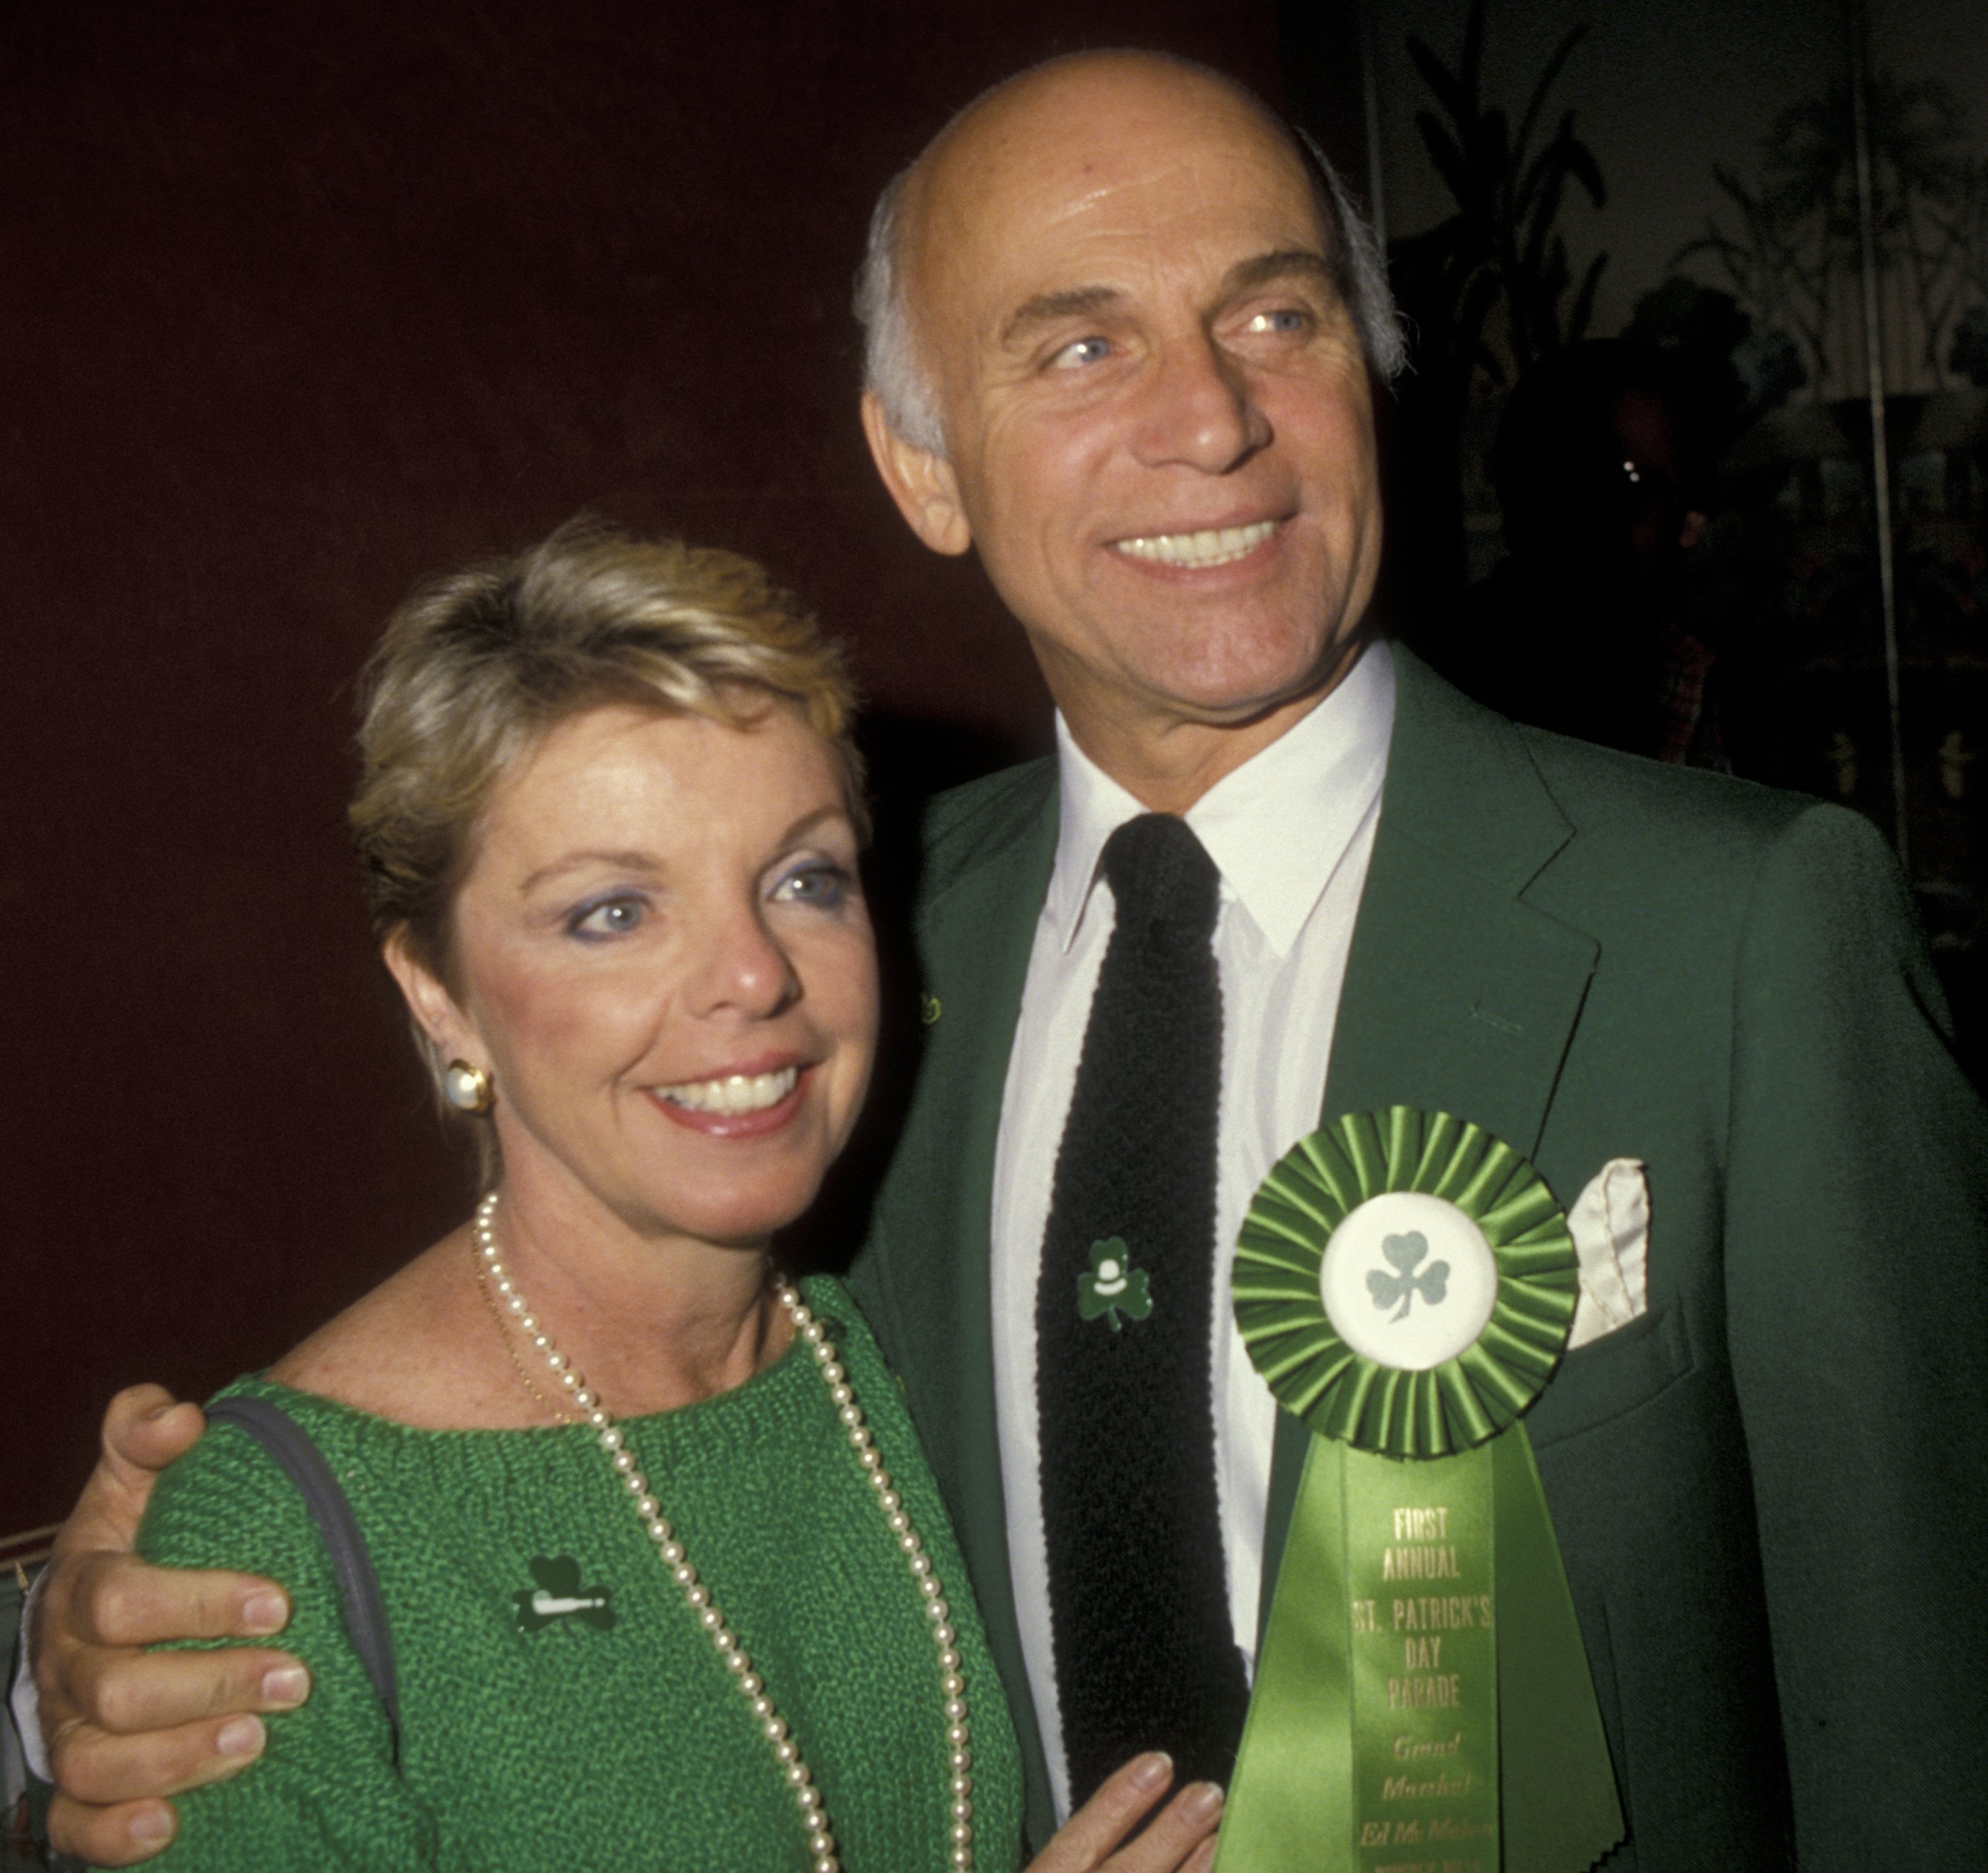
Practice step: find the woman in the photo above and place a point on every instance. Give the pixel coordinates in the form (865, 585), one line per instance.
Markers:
(700, 1607)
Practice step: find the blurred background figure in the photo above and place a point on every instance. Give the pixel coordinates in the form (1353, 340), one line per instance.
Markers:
(1588, 626)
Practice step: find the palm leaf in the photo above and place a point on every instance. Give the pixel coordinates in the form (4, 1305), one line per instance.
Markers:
(1452, 96)
(1494, 149)
(1578, 160)
(1471, 67)
(1546, 211)
(1541, 166)
(1561, 54)
(1448, 159)
(1584, 300)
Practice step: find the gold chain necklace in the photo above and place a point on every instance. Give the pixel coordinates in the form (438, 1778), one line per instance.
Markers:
(511, 1351)
(491, 1275)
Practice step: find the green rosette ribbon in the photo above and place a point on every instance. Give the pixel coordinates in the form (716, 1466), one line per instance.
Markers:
(1405, 1284)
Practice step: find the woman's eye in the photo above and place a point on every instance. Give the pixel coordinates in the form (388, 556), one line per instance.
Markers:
(823, 886)
(610, 916)
(1081, 351)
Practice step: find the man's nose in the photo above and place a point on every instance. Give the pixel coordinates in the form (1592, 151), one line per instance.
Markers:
(742, 970)
(1199, 409)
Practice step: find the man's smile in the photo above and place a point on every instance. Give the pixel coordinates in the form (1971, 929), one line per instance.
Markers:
(1208, 546)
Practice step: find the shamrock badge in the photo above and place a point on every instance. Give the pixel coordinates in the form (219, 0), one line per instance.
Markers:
(1114, 1285)
(1405, 1251)
(559, 1595)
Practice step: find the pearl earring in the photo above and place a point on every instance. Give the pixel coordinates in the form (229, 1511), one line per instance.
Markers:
(466, 1087)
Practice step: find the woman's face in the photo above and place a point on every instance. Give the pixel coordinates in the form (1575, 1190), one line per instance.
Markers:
(666, 963)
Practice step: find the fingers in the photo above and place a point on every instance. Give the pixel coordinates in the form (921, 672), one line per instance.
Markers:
(144, 1430)
(1092, 1839)
(1181, 1838)
(126, 1728)
(1083, 1841)
(123, 1693)
(94, 1767)
(120, 1837)
(146, 1427)
(115, 1599)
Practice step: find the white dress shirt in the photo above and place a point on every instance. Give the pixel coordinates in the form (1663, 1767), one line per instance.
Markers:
(1291, 832)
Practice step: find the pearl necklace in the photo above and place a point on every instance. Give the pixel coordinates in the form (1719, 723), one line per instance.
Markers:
(670, 1551)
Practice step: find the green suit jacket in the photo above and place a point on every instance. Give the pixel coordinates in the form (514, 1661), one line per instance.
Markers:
(1769, 1489)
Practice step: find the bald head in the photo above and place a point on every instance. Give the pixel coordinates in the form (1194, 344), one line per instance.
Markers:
(1122, 346)
(1088, 107)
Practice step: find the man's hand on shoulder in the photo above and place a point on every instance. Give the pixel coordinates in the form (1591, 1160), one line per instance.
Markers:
(126, 1728)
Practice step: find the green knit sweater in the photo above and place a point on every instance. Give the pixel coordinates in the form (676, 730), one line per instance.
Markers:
(579, 1744)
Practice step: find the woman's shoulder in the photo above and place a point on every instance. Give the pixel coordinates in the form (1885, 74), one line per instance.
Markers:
(417, 1350)
(841, 1317)
(241, 1496)
(227, 1501)
(325, 1793)
(878, 1386)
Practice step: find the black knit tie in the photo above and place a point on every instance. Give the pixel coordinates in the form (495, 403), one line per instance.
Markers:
(1145, 1651)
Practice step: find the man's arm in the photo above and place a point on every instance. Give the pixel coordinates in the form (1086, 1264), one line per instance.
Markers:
(123, 1728)
(1857, 1221)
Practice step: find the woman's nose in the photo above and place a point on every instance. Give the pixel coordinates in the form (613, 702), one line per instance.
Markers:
(743, 968)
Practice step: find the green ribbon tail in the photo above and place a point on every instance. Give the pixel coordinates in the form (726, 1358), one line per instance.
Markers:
(1557, 1803)
(1290, 1800)
(1301, 1800)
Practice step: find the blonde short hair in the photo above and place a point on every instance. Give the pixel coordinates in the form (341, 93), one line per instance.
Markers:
(476, 667)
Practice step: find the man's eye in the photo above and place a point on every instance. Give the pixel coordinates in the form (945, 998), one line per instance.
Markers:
(607, 916)
(1283, 321)
(1082, 351)
(819, 883)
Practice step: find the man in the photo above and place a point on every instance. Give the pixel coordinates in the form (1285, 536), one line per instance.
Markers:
(1115, 349)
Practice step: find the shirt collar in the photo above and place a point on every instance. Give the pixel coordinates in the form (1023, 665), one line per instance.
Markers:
(1276, 828)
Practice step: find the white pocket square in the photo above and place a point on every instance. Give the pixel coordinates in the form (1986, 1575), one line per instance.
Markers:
(1610, 1222)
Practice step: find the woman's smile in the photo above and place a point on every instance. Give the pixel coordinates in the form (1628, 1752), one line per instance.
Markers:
(736, 1105)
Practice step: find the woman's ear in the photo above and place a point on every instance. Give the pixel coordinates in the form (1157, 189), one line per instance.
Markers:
(451, 1033)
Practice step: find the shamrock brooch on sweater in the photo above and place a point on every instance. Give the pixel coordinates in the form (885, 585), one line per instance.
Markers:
(559, 1595)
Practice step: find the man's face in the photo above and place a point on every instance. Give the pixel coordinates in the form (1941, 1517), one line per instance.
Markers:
(1160, 435)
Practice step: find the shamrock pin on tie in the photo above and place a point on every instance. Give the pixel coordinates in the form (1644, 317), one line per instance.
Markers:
(1114, 1285)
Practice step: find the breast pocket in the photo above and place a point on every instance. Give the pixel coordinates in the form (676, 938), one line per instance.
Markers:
(1611, 1377)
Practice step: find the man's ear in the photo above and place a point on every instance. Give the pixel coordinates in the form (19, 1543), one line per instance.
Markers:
(430, 1002)
(922, 484)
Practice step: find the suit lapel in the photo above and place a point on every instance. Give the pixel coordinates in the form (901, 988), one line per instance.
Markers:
(1459, 995)
(977, 928)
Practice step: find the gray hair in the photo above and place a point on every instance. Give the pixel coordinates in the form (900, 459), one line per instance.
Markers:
(892, 369)
(1359, 268)
(895, 375)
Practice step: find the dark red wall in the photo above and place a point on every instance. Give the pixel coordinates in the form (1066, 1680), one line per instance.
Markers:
(297, 304)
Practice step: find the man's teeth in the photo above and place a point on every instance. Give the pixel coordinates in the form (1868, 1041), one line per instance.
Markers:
(735, 1094)
(1212, 546)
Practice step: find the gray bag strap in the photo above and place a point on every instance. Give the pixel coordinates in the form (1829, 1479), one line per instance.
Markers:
(290, 1446)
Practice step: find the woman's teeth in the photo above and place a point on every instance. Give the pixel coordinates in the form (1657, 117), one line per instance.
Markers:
(735, 1093)
(1213, 546)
